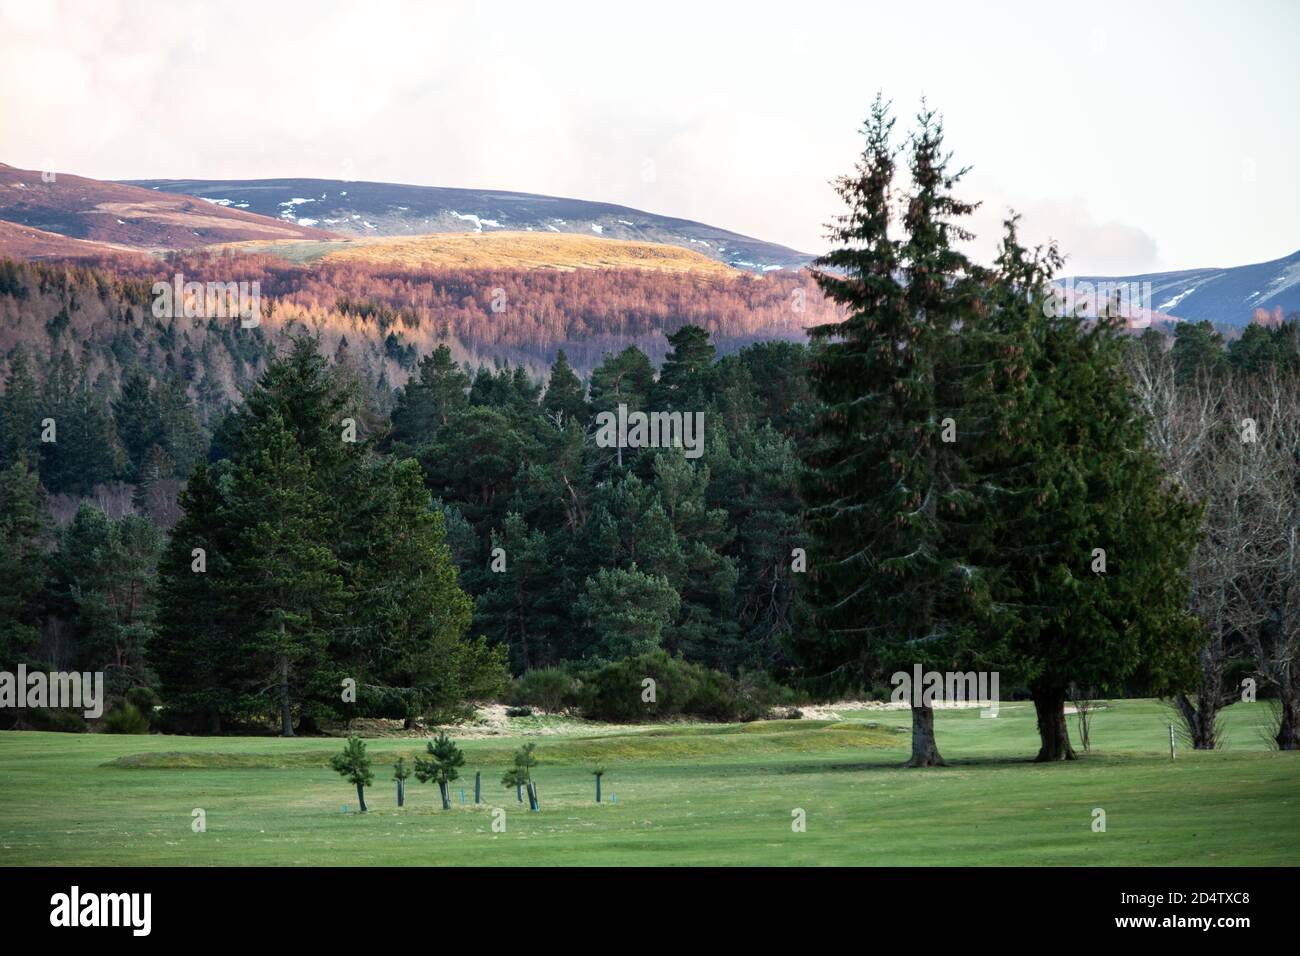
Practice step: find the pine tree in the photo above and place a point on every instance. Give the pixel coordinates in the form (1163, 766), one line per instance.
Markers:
(627, 611)
(443, 768)
(430, 398)
(24, 524)
(197, 657)
(20, 412)
(685, 378)
(354, 764)
(283, 580)
(137, 418)
(565, 399)
(401, 772)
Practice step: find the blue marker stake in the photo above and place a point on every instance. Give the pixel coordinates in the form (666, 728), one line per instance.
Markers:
(462, 794)
(345, 808)
(613, 798)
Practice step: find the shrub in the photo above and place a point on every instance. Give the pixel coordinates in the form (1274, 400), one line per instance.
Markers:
(125, 718)
(614, 692)
(552, 689)
(519, 712)
(51, 719)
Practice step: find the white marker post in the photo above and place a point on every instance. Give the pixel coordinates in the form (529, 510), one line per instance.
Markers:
(1172, 756)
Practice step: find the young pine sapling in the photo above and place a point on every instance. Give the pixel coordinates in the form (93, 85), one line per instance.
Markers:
(442, 768)
(400, 772)
(355, 765)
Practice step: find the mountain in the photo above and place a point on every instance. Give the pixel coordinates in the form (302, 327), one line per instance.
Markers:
(120, 215)
(389, 209)
(1231, 296)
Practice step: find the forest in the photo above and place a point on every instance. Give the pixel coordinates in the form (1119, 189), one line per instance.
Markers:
(917, 464)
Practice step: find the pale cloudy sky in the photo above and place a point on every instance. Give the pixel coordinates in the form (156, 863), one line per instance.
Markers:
(1141, 135)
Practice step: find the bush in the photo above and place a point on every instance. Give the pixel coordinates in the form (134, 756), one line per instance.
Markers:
(614, 692)
(519, 712)
(125, 718)
(552, 689)
(50, 719)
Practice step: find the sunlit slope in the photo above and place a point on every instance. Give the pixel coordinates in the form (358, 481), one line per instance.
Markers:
(499, 250)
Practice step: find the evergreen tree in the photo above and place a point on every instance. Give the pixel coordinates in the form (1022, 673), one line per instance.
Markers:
(627, 611)
(401, 772)
(24, 524)
(1092, 543)
(283, 583)
(685, 378)
(565, 399)
(198, 657)
(889, 584)
(354, 764)
(104, 579)
(430, 398)
(442, 768)
(20, 412)
(138, 418)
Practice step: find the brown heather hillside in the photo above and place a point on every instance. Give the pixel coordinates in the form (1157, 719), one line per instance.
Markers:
(129, 216)
(498, 250)
(27, 242)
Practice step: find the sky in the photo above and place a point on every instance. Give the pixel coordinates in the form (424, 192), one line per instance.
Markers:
(1141, 136)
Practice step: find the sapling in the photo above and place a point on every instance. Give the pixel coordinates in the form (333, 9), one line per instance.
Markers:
(524, 764)
(447, 757)
(355, 765)
(514, 777)
(598, 773)
(400, 772)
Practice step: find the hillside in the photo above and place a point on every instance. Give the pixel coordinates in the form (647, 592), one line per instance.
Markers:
(497, 250)
(1231, 296)
(390, 209)
(123, 215)
(27, 242)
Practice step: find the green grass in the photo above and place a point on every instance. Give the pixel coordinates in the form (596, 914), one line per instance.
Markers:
(687, 794)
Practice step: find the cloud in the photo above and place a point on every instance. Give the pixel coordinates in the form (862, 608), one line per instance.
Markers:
(1091, 247)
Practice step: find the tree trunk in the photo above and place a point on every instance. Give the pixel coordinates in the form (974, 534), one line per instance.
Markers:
(1199, 723)
(286, 718)
(477, 781)
(598, 788)
(925, 753)
(401, 794)
(1288, 728)
(446, 803)
(519, 792)
(532, 797)
(1053, 733)
(361, 797)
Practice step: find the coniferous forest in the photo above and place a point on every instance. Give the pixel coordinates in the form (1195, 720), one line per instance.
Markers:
(234, 523)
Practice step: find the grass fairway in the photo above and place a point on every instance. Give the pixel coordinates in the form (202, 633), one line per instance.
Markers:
(686, 794)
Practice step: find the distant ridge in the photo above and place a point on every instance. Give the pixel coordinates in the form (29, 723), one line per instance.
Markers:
(390, 209)
(1236, 295)
(127, 216)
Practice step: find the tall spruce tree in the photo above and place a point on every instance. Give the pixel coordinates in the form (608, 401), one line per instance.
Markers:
(888, 493)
